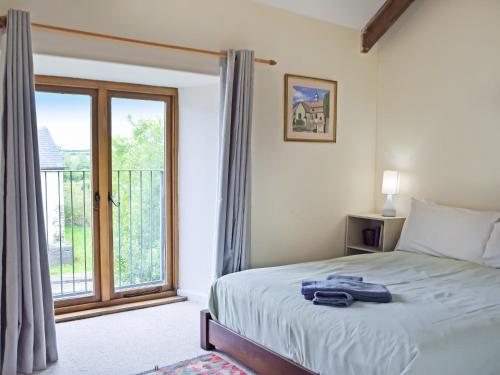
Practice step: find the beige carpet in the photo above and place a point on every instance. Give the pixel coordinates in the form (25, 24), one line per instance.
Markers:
(129, 342)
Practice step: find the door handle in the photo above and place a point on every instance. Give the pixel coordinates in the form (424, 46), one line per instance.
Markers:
(97, 200)
(110, 198)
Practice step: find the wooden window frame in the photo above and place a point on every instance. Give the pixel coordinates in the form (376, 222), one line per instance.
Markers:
(102, 92)
(168, 181)
(95, 187)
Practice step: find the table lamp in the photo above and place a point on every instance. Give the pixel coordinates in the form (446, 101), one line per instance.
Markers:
(390, 186)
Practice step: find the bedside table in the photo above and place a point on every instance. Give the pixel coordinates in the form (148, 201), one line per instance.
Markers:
(389, 232)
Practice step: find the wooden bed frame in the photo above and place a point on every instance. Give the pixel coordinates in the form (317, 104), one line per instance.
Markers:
(256, 357)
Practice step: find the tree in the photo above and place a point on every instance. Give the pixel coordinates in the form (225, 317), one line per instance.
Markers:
(326, 106)
(141, 155)
(326, 110)
(138, 160)
(143, 150)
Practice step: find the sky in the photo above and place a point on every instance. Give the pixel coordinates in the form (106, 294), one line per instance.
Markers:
(68, 117)
(301, 93)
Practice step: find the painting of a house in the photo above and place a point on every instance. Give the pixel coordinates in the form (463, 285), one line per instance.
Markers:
(310, 109)
(310, 115)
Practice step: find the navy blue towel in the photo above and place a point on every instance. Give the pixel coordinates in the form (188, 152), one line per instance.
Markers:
(359, 290)
(333, 277)
(337, 299)
(344, 277)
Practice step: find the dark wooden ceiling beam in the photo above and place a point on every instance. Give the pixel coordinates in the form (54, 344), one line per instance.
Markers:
(382, 21)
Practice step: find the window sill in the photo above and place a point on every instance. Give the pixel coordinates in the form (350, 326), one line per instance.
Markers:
(60, 318)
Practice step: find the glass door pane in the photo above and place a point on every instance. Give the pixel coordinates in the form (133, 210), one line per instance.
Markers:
(138, 191)
(65, 149)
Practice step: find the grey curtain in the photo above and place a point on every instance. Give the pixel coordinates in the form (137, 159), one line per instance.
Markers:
(27, 329)
(233, 215)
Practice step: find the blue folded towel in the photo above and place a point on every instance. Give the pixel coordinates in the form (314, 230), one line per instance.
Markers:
(337, 299)
(344, 277)
(333, 277)
(359, 290)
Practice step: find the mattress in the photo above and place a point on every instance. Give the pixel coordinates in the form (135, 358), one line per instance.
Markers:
(444, 317)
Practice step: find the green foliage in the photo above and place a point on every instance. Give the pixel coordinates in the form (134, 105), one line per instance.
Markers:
(326, 106)
(137, 222)
(76, 160)
(138, 162)
(80, 252)
(144, 150)
(77, 196)
(77, 183)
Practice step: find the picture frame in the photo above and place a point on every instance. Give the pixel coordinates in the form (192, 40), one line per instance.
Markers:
(310, 109)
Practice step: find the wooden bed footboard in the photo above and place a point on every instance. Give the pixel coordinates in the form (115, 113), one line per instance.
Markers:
(255, 356)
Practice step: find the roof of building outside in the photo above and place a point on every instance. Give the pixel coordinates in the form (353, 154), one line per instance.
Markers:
(315, 104)
(51, 157)
(311, 107)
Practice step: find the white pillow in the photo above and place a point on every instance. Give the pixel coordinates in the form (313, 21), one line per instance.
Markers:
(491, 256)
(447, 231)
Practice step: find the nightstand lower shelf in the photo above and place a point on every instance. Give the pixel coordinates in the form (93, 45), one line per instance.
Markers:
(388, 230)
(369, 249)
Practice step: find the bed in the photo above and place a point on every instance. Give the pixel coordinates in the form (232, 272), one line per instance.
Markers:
(444, 318)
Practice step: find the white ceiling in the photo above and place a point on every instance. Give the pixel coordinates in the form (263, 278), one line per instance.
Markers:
(351, 13)
(109, 71)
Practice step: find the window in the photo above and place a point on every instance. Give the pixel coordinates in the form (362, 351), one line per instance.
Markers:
(66, 167)
(108, 167)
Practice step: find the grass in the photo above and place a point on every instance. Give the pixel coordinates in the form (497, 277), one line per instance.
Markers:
(79, 250)
(79, 253)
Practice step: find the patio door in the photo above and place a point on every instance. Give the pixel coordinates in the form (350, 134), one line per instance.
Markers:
(108, 167)
(141, 198)
(67, 139)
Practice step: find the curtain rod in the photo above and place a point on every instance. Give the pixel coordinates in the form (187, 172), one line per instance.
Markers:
(3, 23)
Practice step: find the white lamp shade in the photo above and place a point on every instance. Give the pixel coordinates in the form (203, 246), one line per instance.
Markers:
(390, 182)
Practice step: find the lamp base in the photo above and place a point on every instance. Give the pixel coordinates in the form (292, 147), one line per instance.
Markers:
(389, 213)
(389, 210)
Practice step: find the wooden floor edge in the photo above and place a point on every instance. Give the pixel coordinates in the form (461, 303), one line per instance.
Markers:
(61, 318)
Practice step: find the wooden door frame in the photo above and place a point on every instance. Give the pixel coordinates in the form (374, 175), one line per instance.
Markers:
(103, 231)
(44, 87)
(168, 183)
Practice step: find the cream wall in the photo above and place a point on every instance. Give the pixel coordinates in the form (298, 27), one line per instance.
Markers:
(301, 191)
(439, 103)
(198, 163)
(427, 102)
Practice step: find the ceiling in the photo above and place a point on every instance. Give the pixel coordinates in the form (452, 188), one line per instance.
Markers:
(350, 13)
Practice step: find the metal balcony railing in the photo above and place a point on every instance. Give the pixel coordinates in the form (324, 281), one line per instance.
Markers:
(138, 234)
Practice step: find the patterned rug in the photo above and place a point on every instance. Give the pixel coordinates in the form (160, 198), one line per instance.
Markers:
(208, 364)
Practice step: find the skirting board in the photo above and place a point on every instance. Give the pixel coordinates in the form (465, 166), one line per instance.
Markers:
(196, 297)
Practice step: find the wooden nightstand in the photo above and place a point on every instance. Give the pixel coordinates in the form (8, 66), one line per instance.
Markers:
(390, 230)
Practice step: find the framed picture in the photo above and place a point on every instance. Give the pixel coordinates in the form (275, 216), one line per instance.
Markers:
(310, 109)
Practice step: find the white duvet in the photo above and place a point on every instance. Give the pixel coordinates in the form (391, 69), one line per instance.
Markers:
(444, 318)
